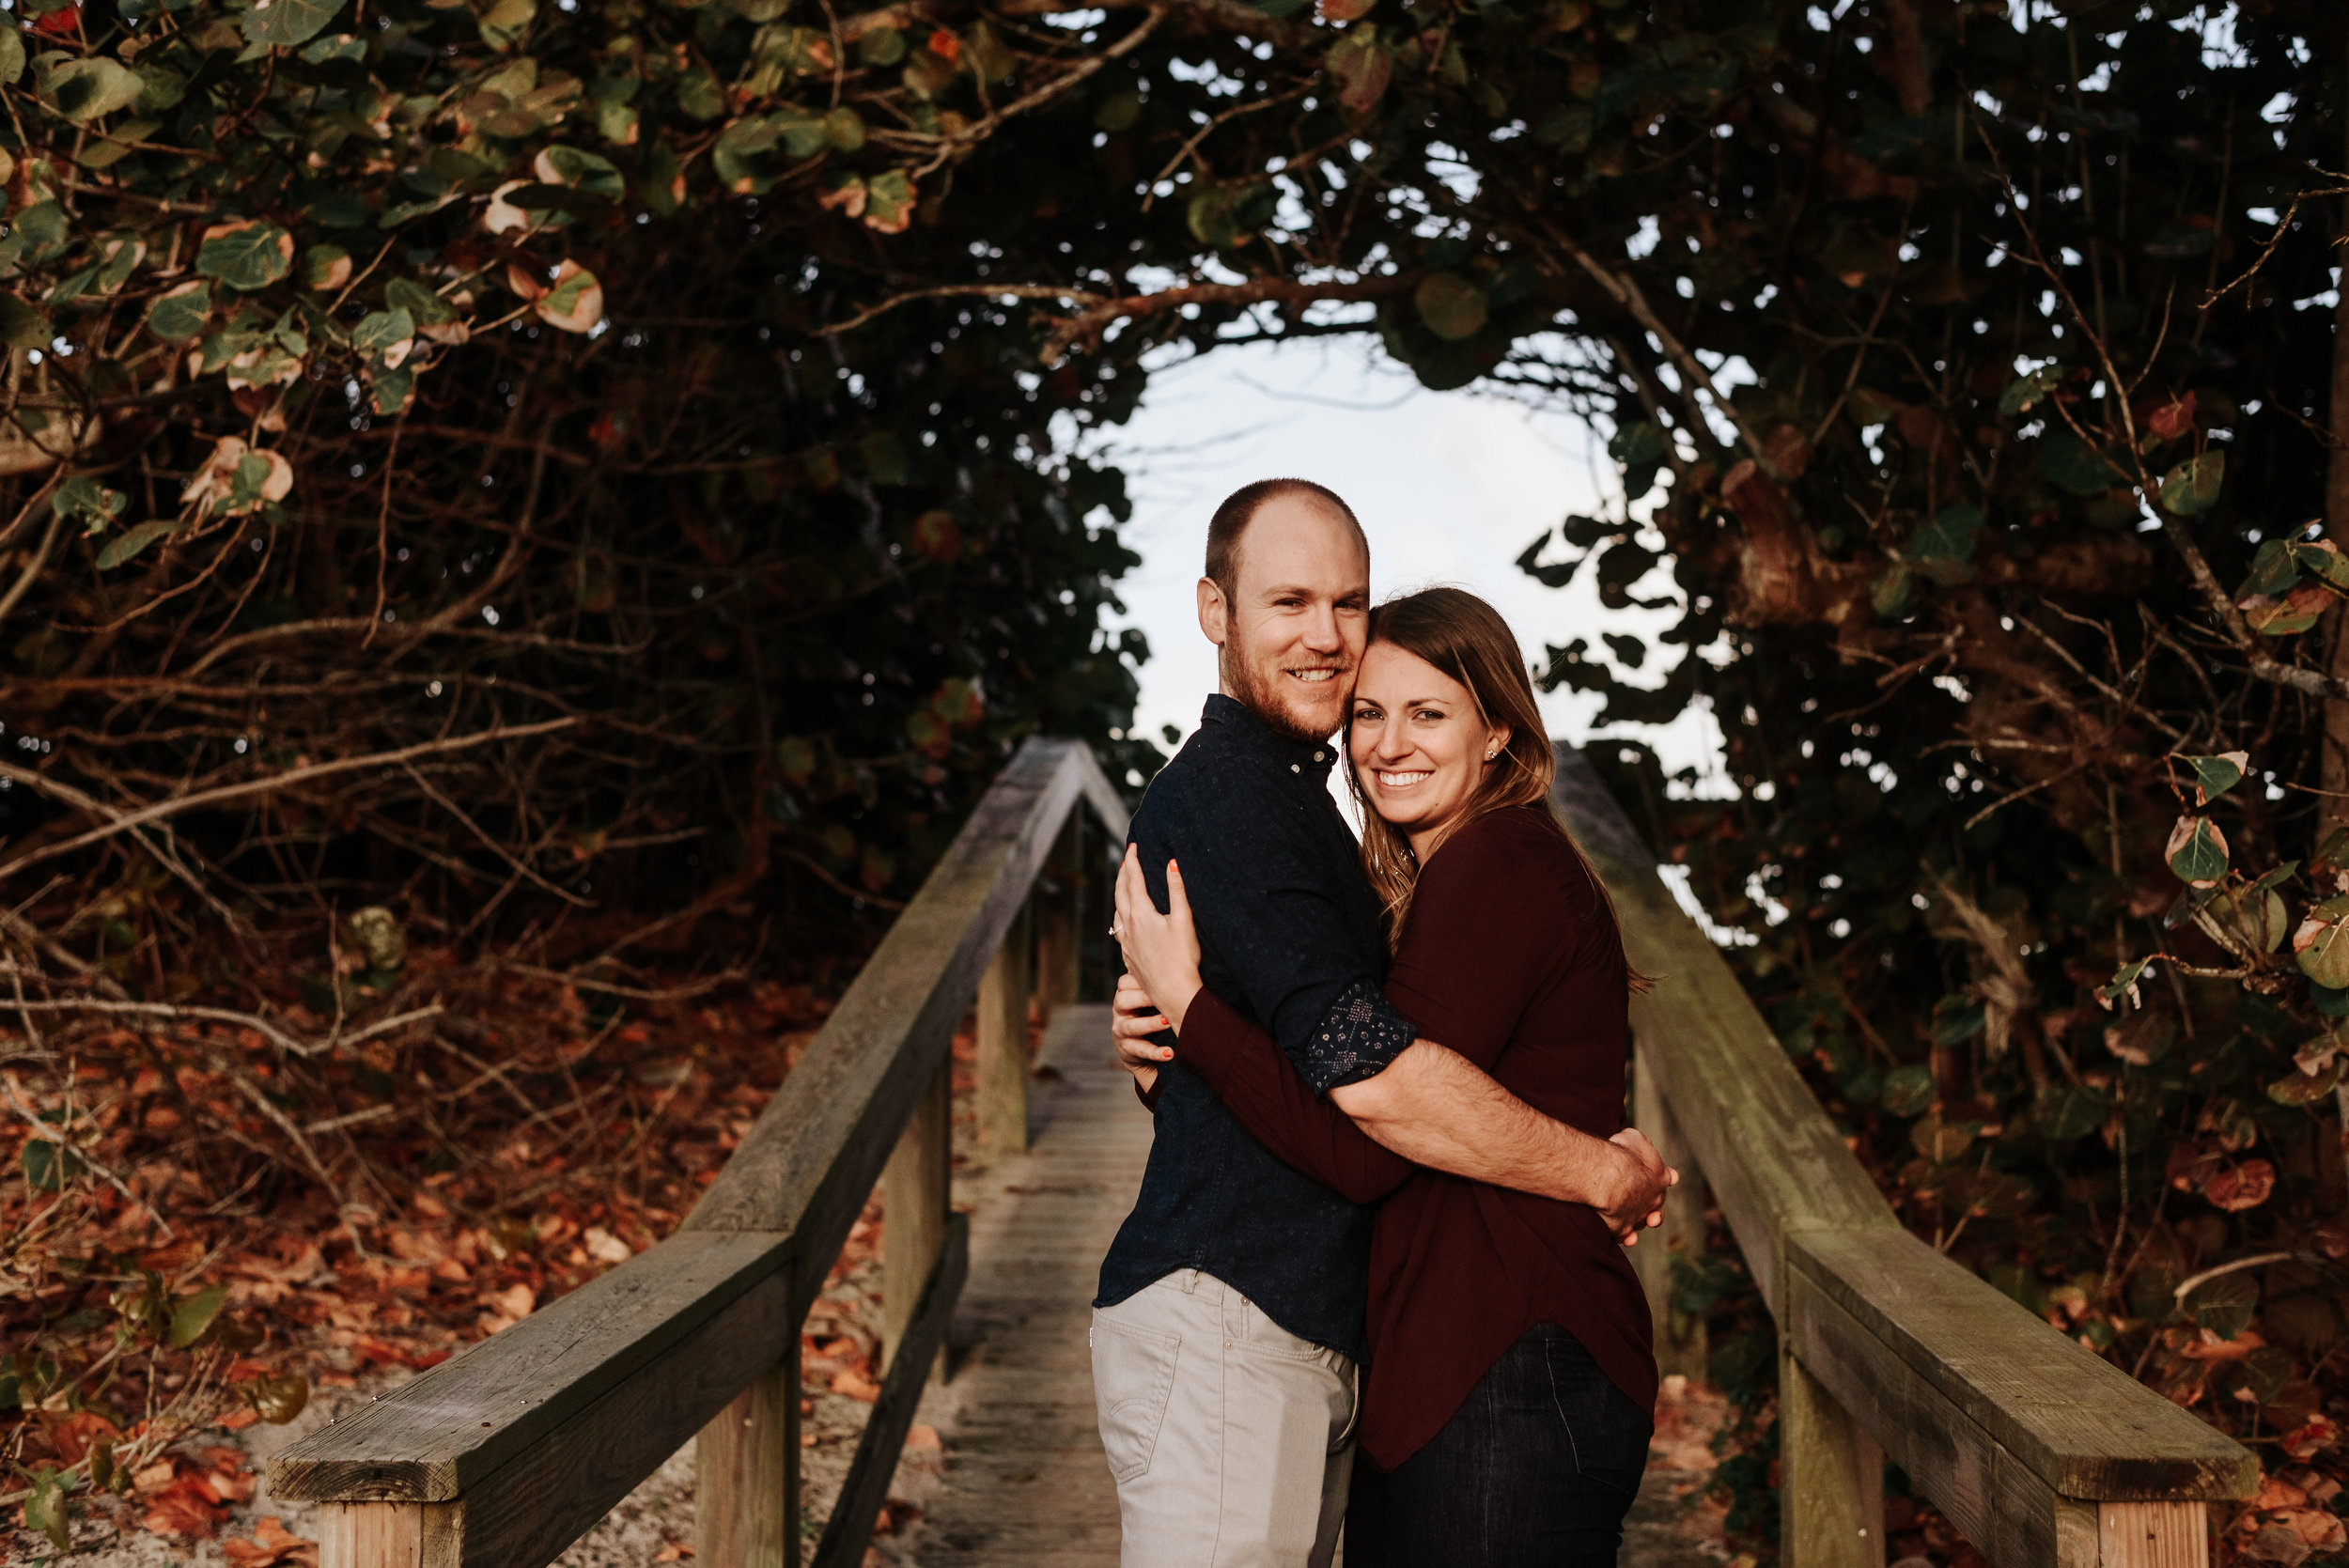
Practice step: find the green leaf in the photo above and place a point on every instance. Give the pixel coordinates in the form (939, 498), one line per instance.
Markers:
(1908, 1090)
(382, 331)
(392, 390)
(2214, 776)
(180, 315)
(49, 1166)
(12, 52)
(192, 1314)
(2125, 983)
(2323, 558)
(283, 24)
(1957, 1019)
(337, 46)
(20, 325)
(2325, 956)
(83, 500)
(423, 307)
(85, 89)
(2062, 1112)
(2192, 487)
(844, 128)
(503, 23)
(2070, 463)
(1452, 307)
(325, 267)
(2029, 388)
(44, 1507)
(250, 257)
(2197, 851)
(578, 170)
(122, 260)
(126, 545)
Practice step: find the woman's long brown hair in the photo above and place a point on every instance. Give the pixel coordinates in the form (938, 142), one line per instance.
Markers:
(1466, 638)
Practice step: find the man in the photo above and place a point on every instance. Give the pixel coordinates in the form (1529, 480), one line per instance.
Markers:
(1229, 1323)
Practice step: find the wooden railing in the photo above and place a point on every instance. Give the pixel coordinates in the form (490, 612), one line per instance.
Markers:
(502, 1456)
(2042, 1453)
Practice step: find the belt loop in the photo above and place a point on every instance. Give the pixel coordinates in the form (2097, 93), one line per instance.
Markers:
(1190, 1282)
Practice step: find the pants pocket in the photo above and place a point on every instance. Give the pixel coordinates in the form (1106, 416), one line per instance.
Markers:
(1606, 1428)
(1133, 1378)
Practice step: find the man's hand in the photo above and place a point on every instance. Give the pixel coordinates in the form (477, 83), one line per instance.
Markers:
(1137, 1018)
(1636, 1200)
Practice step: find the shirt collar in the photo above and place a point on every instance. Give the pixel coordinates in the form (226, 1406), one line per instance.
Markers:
(1309, 760)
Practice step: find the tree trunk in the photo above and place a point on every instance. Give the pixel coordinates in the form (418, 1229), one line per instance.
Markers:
(2335, 782)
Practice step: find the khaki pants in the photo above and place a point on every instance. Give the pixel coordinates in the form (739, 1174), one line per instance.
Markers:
(1232, 1440)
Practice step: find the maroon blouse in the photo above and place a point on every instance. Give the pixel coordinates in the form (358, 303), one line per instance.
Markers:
(1509, 956)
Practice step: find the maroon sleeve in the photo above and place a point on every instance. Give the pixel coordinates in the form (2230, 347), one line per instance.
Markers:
(1149, 1097)
(1257, 1082)
(1491, 911)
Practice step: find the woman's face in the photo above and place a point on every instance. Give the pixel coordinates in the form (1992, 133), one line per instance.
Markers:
(1416, 741)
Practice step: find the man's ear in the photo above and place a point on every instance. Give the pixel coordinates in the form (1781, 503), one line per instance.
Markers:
(1214, 614)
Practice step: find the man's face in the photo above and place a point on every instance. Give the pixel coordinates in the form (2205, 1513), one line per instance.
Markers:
(1292, 633)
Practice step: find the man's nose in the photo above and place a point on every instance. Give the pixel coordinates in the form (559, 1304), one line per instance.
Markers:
(1321, 629)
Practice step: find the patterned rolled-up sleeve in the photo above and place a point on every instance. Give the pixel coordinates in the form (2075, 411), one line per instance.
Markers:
(1359, 1034)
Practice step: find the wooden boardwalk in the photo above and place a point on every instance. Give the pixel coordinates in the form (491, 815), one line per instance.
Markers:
(1026, 1482)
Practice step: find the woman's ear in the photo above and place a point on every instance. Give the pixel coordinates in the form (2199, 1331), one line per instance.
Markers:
(1497, 743)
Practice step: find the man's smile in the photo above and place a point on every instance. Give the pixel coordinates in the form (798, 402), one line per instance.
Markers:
(1315, 674)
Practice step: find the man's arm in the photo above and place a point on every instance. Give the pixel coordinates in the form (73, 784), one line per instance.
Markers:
(1435, 1108)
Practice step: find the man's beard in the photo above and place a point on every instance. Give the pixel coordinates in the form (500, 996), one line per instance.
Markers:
(1261, 696)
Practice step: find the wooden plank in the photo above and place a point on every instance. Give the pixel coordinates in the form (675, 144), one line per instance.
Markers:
(431, 1440)
(850, 1528)
(526, 1512)
(1775, 1162)
(2153, 1535)
(1681, 1344)
(811, 1159)
(2081, 1424)
(371, 1535)
(914, 1196)
(1998, 1502)
(1055, 909)
(1830, 1478)
(746, 1475)
(1002, 1087)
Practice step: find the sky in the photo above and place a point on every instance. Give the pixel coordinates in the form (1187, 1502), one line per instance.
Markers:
(1450, 487)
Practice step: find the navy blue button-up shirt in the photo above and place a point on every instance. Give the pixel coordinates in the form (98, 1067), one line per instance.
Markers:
(1290, 937)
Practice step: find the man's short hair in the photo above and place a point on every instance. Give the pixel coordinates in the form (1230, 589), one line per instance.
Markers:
(1239, 509)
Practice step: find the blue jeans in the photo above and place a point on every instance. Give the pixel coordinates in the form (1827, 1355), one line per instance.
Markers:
(1536, 1469)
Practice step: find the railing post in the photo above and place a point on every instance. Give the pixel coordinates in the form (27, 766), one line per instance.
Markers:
(746, 1475)
(915, 1201)
(370, 1534)
(1003, 1065)
(2153, 1535)
(1830, 1476)
(1057, 913)
(1680, 1343)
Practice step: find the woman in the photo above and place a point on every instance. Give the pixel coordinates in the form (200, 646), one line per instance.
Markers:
(1509, 1396)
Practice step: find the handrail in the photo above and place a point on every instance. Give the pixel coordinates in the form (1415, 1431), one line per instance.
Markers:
(505, 1454)
(2040, 1451)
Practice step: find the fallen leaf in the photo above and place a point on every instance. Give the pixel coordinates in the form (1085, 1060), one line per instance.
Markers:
(855, 1384)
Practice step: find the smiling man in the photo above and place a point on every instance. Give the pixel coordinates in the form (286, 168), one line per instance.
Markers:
(1229, 1326)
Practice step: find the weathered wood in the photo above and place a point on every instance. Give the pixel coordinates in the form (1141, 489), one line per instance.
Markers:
(1002, 1087)
(526, 1512)
(371, 1535)
(866, 1488)
(1830, 1478)
(2083, 1426)
(2153, 1535)
(1775, 1162)
(914, 1198)
(433, 1439)
(1055, 909)
(1680, 1338)
(746, 1475)
(811, 1159)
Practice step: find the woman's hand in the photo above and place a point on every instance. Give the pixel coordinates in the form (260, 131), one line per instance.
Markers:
(1162, 950)
(1136, 1019)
